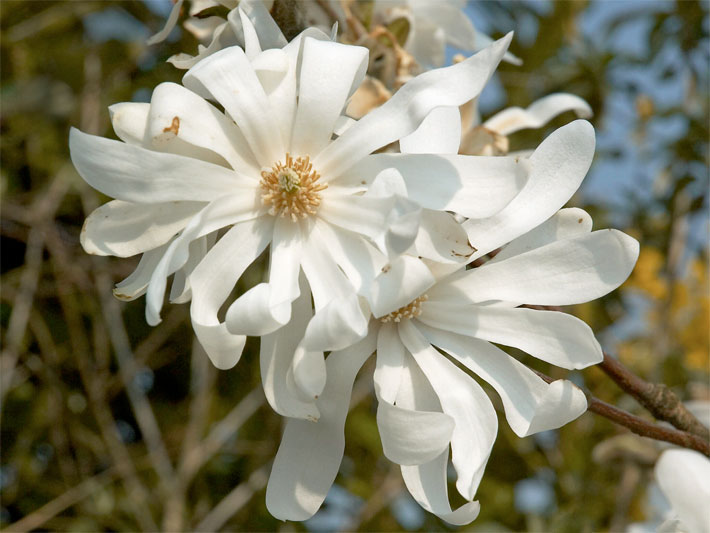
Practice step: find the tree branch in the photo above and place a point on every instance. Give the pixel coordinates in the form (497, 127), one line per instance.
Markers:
(660, 401)
(639, 426)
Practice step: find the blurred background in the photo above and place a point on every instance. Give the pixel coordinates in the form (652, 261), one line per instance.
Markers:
(111, 425)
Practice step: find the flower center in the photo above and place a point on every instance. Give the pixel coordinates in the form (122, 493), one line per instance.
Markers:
(412, 310)
(291, 189)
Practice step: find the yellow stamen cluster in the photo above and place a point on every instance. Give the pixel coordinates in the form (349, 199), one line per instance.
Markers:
(292, 189)
(412, 310)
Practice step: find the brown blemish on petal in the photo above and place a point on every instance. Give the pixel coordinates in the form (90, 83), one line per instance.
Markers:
(174, 127)
(386, 268)
(580, 221)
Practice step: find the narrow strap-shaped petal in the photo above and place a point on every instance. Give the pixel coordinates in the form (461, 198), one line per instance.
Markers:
(134, 174)
(180, 290)
(366, 215)
(439, 133)
(531, 405)
(218, 214)
(557, 338)
(214, 279)
(405, 111)
(464, 400)
(176, 112)
(565, 224)
(427, 483)
(537, 114)
(441, 238)
(473, 186)
(270, 36)
(556, 170)
(310, 453)
(124, 229)
(129, 121)
(341, 323)
(565, 272)
(409, 436)
(253, 314)
(329, 74)
(230, 78)
(136, 284)
(683, 477)
(276, 354)
(169, 24)
(285, 264)
(400, 282)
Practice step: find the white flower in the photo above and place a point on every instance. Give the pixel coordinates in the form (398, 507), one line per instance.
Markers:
(684, 478)
(433, 26)
(491, 136)
(269, 170)
(426, 403)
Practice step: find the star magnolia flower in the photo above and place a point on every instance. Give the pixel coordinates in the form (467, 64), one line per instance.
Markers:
(270, 170)
(684, 478)
(426, 403)
(432, 27)
(491, 136)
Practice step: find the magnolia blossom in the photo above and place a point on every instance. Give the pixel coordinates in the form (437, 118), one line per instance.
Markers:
(216, 33)
(432, 27)
(684, 478)
(436, 312)
(491, 136)
(283, 169)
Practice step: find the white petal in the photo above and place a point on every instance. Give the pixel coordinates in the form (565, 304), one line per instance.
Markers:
(537, 114)
(129, 121)
(531, 405)
(222, 36)
(285, 263)
(326, 280)
(308, 371)
(439, 133)
(427, 43)
(473, 186)
(310, 453)
(464, 400)
(270, 35)
(222, 212)
(177, 113)
(459, 31)
(136, 284)
(366, 215)
(427, 482)
(557, 338)
(251, 40)
(180, 290)
(684, 478)
(252, 314)
(390, 361)
(276, 354)
(441, 238)
(134, 174)
(400, 282)
(405, 111)
(340, 323)
(358, 259)
(124, 229)
(230, 78)
(565, 272)
(169, 24)
(557, 168)
(214, 279)
(564, 224)
(412, 437)
(329, 74)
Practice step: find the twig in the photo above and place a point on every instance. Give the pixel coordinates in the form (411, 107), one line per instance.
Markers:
(235, 500)
(640, 426)
(660, 401)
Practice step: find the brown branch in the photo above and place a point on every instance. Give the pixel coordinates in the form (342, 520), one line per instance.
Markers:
(645, 428)
(660, 401)
(639, 426)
